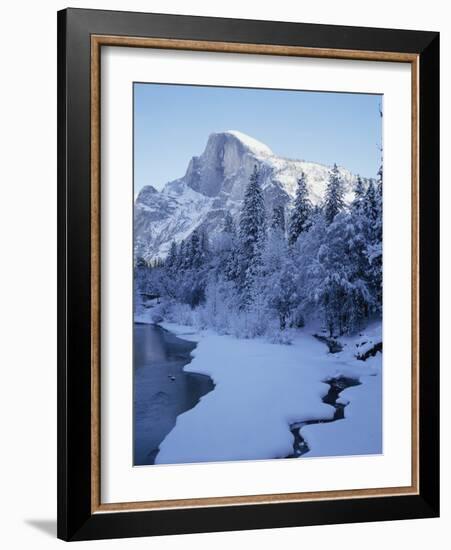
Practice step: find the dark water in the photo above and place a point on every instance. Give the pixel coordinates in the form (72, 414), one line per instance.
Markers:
(337, 385)
(162, 390)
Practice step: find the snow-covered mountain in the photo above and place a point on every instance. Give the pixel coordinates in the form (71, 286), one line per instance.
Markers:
(214, 184)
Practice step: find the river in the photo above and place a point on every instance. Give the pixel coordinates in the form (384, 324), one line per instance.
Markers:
(162, 390)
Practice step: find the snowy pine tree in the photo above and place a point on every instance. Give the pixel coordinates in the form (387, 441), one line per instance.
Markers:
(278, 219)
(172, 258)
(283, 294)
(229, 226)
(230, 266)
(301, 212)
(141, 275)
(197, 250)
(370, 206)
(341, 288)
(182, 259)
(358, 238)
(359, 196)
(252, 235)
(253, 217)
(334, 200)
(373, 215)
(205, 246)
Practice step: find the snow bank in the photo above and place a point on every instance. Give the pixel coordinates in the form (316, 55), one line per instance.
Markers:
(261, 389)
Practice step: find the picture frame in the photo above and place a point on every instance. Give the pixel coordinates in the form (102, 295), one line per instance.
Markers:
(81, 36)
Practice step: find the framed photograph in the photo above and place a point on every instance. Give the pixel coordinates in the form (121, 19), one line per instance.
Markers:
(248, 274)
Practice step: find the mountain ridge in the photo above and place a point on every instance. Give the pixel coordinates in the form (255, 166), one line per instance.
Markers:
(214, 184)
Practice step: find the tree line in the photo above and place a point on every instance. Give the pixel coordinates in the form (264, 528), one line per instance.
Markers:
(270, 270)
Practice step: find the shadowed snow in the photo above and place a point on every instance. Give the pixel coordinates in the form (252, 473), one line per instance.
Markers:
(262, 388)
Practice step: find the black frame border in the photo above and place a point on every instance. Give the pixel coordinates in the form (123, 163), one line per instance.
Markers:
(75, 520)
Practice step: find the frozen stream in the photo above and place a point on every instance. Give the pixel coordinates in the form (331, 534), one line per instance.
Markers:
(337, 385)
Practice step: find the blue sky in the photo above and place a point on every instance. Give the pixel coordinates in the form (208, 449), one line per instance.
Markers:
(172, 123)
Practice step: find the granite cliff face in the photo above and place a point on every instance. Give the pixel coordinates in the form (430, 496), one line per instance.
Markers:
(214, 184)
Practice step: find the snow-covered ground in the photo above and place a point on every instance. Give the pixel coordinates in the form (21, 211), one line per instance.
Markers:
(147, 314)
(262, 388)
(360, 432)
